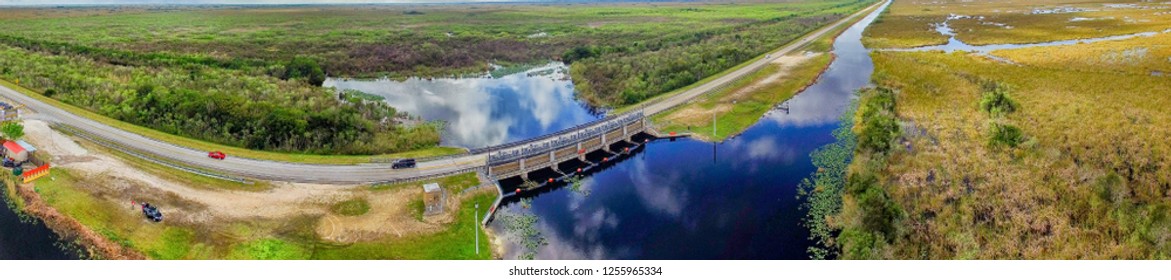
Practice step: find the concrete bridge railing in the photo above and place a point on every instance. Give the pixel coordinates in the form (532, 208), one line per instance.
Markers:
(556, 148)
(553, 141)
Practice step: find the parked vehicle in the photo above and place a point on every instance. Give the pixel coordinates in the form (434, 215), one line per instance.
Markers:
(152, 213)
(403, 163)
(217, 155)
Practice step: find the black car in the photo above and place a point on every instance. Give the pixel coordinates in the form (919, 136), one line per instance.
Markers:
(152, 213)
(403, 163)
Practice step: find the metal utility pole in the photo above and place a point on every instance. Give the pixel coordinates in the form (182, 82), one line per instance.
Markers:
(477, 230)
(713, 125)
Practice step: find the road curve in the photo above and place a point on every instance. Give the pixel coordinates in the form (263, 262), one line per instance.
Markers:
(338, 174)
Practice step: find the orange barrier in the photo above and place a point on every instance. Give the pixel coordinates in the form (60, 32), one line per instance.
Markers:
(36, 173)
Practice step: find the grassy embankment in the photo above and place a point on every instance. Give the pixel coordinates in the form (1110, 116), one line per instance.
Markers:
(293, 238)
(910, 23)
(754, 96)
(230, 150)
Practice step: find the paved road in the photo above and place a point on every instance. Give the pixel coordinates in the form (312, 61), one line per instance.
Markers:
(318, 173)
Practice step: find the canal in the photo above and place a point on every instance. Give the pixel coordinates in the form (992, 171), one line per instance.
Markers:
(688, 199)
(27, 240)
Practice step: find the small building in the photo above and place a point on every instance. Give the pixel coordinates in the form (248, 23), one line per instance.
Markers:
(9, 112)
(15, 152)
(433, 199)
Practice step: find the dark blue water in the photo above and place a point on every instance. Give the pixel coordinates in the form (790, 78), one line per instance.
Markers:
(485, 111)
(693, 200)
(27, 241)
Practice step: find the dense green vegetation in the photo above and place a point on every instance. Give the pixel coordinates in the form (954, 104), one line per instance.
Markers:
(629, 74)
(877, 215)
(12, 130)
(221, 105)
(623, 52)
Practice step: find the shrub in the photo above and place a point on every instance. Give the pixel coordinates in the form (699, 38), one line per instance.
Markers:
(1002, 134)
(878, 128)
(996, 100)
(301, 67)
(879, 213)
(12, 130)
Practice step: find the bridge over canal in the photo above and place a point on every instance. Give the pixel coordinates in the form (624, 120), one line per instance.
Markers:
(519, 159)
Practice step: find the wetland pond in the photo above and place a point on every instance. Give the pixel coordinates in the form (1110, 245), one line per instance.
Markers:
(687, 199)
(489, 110)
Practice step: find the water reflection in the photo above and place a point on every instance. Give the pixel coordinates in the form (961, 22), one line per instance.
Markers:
(484, 111)
(693, 200)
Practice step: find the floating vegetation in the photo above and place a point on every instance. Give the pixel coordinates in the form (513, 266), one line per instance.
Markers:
(822, 191)
(524, 232)
(576, 185)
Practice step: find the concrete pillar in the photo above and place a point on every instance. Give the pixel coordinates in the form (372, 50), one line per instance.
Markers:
(522, 165)
(605, 144)
(553, 157)
(580, 155)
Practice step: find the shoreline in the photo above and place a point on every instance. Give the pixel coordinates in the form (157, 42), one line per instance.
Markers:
(98, 246)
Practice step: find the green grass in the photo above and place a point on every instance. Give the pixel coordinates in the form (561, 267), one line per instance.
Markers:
(455, 243)
(262, 239)
(454, 183)
(352, 207)
(116, 222)
(417, 208)
(268, 249)
(230, 150)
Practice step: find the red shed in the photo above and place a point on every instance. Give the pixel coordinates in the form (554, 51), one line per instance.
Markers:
(15, 152)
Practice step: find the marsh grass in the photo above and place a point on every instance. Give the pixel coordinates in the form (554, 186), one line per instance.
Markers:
(911, 23)
(1090, 181)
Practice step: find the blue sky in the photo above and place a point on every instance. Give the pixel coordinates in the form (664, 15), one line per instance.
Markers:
(115, 2)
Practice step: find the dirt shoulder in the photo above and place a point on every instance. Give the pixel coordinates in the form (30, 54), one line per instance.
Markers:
(212, 211)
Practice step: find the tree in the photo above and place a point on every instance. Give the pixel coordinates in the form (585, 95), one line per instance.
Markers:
(302, 67)
(13, 130)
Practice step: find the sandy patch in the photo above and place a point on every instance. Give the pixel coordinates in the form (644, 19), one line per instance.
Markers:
(117, 181)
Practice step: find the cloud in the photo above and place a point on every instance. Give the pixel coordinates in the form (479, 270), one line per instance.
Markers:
(659, 190)
(481, 112)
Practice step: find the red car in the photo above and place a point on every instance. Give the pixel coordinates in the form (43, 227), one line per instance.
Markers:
(216, 155)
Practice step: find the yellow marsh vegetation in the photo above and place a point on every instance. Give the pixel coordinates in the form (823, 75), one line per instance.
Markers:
(1139, 55)
(911, 23)
(1092, 180)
